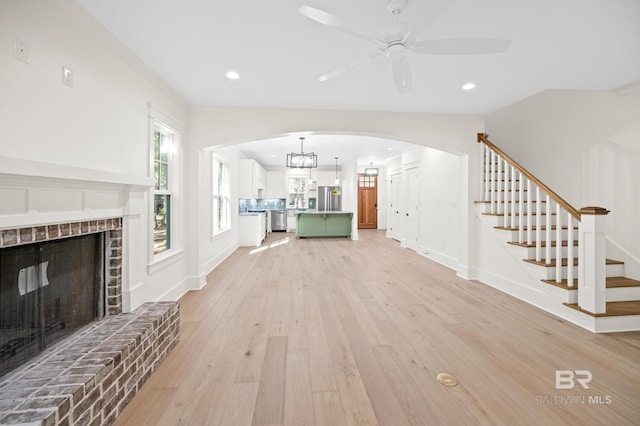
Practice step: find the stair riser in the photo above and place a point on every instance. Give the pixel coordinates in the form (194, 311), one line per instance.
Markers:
(543, 234)
(623, 294)
(509, 196)
(503, 221)
(530, 253)
(549, 273)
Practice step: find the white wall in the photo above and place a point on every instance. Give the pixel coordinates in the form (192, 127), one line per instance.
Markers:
(99, 130)
(440, 199)
(586, 147)
(91, 137)
(456, 134)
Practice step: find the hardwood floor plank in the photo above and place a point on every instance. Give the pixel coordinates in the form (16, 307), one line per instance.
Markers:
(298, 396)
(353, 394)
(337, 342)
(320, 364)
(376, 323)
(385, 404)
(250, 367)
(269, 408)
(239, 408)
(328, 409)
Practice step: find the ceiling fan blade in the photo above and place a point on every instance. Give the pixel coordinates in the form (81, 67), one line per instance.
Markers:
(339, 71)
(341, 24)
(401, 74)
(460, 46)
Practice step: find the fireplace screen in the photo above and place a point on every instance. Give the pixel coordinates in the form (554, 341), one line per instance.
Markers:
(47, 291)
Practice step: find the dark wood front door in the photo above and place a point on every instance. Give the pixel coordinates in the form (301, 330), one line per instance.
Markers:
(367, 202)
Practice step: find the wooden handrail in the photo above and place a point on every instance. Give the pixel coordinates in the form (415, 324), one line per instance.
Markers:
(482, 137)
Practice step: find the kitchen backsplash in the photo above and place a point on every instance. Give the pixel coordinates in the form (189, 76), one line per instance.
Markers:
(247, 204)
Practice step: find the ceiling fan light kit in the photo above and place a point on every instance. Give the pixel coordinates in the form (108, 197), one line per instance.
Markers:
(396, 40)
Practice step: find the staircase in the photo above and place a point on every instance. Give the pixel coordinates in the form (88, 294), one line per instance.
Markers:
(563, 249)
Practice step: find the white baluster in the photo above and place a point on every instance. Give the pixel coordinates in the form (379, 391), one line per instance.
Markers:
(570, 251)
(499, 186)
(515, 176)
(529, 213)
(487, 179)
(559, 245)
(521, 208)
(493, 176)
(547, 239)
(538, 225)
(506, 204)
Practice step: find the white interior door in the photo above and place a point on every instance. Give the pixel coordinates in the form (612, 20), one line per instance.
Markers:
(396, 209)
(412, 213)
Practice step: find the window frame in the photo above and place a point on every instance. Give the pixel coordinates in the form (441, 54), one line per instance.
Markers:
(162, 123)
(220, 191)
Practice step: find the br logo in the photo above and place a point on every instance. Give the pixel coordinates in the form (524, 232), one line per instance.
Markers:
(566, 379)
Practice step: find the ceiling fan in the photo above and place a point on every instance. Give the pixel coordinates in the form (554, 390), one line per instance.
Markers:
(396, 40)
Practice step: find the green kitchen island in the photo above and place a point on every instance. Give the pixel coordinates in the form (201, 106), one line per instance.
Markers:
(323, 224)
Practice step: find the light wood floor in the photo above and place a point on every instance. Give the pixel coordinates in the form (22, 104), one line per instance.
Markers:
(339, 332)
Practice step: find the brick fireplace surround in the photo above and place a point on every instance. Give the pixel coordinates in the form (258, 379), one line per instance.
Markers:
(89, 377)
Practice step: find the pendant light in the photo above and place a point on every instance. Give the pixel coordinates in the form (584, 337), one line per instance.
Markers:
(371, 171)
(302, 160)
(336, 181)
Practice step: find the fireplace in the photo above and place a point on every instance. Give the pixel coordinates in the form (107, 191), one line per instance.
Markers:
(54, 280)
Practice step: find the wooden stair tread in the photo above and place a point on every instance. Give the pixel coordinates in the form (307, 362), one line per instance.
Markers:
(618, 282)
(613, 309)
(611, 282)
(533, 228)
(565, 262)
(517, 214)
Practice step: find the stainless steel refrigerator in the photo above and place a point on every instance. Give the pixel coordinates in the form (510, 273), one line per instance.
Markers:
(329, 199)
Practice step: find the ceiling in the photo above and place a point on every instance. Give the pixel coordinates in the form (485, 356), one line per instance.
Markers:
(279, 54)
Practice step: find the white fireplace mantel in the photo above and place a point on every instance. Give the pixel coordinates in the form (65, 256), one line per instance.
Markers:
(38, 193)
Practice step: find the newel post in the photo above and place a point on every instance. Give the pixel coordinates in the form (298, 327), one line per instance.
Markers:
(592, 260)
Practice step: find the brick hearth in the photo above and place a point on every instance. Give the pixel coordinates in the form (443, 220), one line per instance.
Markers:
(90, 376)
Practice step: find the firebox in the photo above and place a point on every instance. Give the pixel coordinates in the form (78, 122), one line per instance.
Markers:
(54, 279)
(47, 291)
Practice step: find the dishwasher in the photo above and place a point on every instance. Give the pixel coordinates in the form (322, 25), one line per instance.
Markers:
(278, 220)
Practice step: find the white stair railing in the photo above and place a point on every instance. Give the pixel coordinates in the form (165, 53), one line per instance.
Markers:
(530, 201)
(542, 219)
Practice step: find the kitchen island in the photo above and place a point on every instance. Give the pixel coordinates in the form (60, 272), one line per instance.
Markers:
(323, 224)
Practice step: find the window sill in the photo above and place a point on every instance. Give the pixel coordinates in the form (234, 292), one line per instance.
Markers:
(220, 233)
(163, 260)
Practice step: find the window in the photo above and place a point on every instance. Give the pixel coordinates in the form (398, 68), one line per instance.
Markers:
(165, 209)
(221, 196)
(162, 150)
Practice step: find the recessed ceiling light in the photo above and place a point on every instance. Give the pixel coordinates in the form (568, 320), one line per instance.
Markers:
(232, 75)
(389, 149)
(469, 86)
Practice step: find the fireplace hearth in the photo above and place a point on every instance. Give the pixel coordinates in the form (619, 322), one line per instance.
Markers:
(89, 376)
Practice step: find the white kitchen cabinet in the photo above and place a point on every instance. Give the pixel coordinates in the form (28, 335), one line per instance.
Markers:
(252, 229)
(291, 220)
(276, 184)
(253, 179)
(326, 178)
